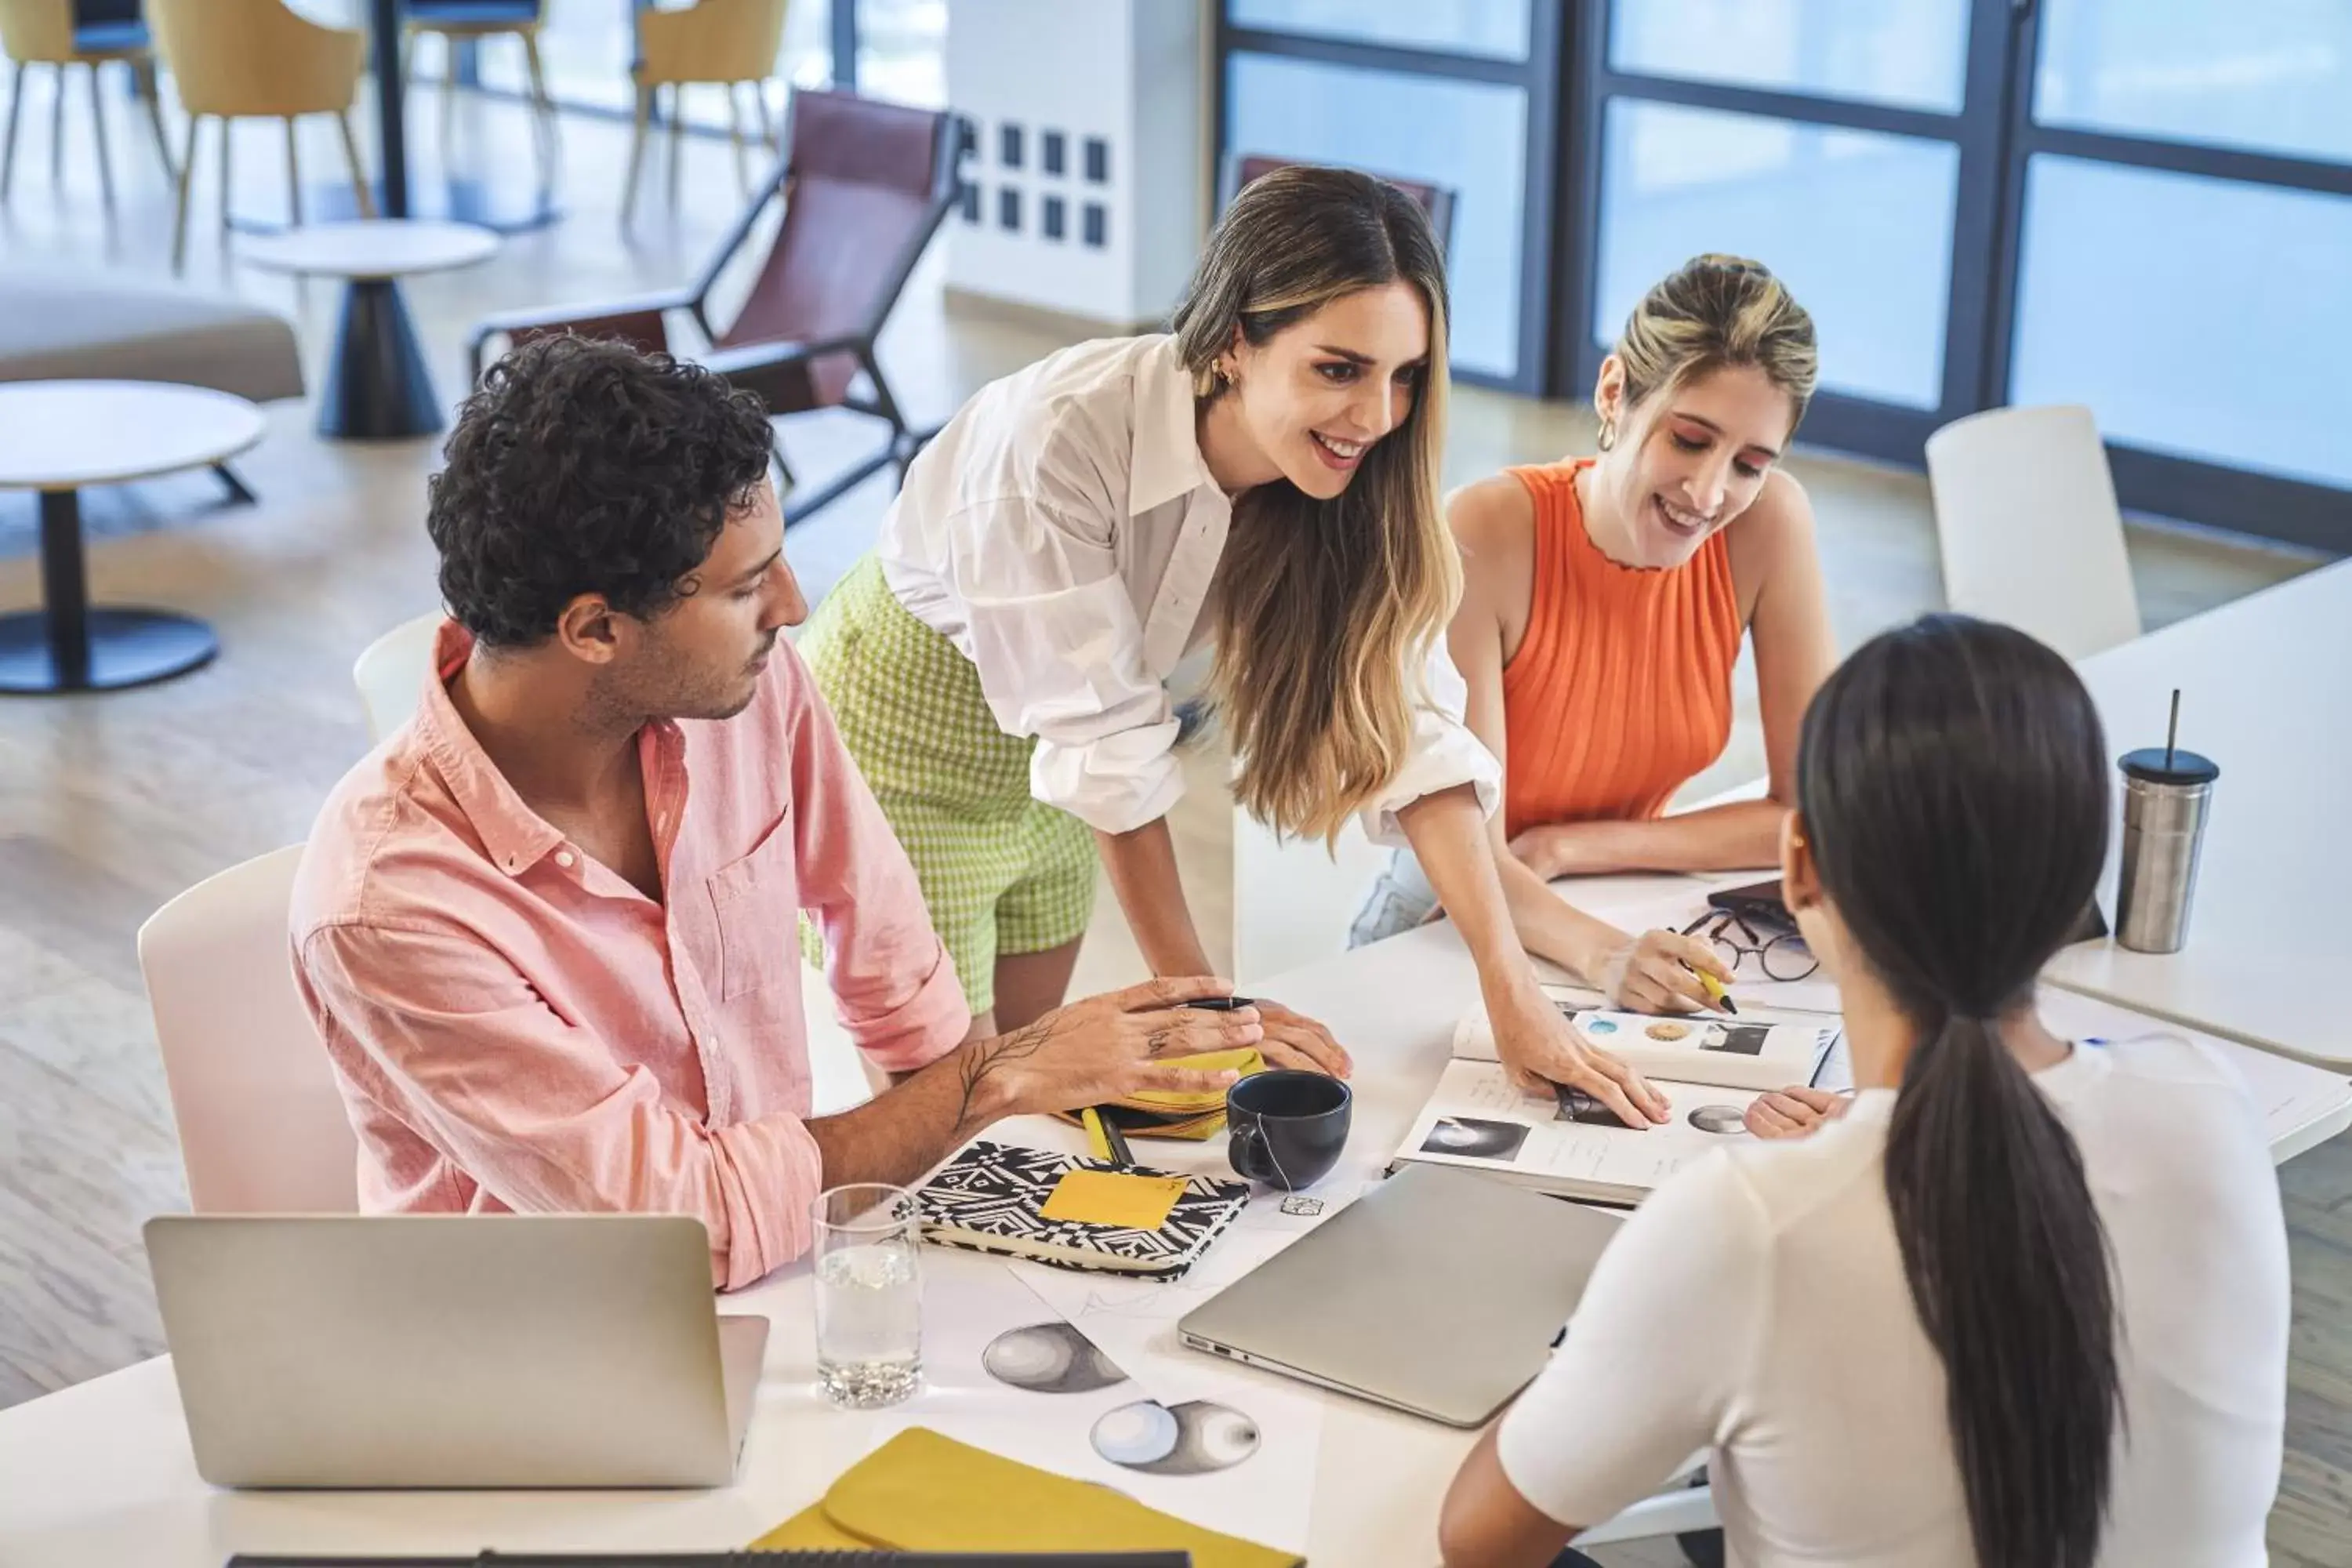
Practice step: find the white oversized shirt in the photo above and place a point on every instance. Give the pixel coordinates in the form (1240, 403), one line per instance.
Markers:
(1756, 1306)
(1063, 531)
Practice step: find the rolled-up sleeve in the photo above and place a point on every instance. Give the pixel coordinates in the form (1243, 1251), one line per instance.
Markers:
(1443, 753)
(539, 1112)
(1060, 654)
(894, 986)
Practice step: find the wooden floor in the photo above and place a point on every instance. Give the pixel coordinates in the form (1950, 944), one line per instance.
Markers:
(110, 805)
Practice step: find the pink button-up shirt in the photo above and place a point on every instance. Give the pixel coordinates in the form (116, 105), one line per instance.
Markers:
(515, 1027)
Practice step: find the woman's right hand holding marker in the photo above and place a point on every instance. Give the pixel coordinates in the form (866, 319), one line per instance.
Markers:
(1658, 971)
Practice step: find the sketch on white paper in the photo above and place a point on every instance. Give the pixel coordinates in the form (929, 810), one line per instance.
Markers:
(1004, 1371)
(1048, 1357)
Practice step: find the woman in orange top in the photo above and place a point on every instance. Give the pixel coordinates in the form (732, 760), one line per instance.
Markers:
(1603, 605)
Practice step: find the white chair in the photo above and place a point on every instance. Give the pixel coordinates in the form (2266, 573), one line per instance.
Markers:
(390, 673)
(2028, 525)
(262, 1124)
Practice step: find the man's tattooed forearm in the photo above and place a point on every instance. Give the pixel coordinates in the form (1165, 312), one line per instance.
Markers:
(990, 1056)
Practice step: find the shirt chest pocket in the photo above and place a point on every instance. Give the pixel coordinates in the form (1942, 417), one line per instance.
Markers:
(755, 904)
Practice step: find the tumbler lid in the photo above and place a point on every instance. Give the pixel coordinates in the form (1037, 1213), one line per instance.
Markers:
(2147, 766)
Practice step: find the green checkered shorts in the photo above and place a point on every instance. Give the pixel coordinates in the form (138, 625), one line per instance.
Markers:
(1000, 872)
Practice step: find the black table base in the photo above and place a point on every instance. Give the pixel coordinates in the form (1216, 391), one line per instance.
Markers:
(378, 387)
(69, 646)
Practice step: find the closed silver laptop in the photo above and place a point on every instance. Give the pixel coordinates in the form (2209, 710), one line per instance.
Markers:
(453, 1351)
(1440, 1292)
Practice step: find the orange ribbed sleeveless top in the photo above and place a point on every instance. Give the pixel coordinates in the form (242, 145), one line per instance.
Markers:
(1620, 691)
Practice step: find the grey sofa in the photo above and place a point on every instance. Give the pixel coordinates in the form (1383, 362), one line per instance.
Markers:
(57, 325)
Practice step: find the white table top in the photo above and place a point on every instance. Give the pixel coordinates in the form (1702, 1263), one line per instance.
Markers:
(101, 1473)
(63, 435)
(371, 248)
(2266, 692)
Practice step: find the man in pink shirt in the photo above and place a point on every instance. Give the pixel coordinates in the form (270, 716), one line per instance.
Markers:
(548, 928)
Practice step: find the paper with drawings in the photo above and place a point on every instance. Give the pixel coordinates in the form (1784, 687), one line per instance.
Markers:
(1480, 1120)
(1738, 1052)
(1003, 1371)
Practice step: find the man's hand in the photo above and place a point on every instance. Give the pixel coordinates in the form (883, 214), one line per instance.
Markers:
(1294, 1040)
(1104, 1048)
(1792, 1112)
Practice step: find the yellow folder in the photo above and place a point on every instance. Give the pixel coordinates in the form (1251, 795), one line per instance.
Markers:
(924, 1492)
(1193, 1117)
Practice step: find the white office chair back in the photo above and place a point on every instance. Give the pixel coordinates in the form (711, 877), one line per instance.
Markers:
(262, 1124)
(2027, 523)
(391, 673)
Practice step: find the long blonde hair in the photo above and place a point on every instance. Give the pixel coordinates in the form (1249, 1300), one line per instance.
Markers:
(1327, 609)
(1713, 312)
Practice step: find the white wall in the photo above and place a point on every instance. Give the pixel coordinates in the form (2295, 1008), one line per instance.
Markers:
(1126, 72)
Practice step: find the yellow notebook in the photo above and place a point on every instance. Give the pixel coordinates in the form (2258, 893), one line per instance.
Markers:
(924, 1492)
(1193, 1117)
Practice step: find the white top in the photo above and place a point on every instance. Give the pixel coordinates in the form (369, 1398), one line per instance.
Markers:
(1064, 532)
(1756, 1306)
(63, 435)
(371, 248)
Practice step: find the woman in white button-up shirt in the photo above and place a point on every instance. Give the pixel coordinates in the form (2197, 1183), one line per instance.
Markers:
(1264, 478)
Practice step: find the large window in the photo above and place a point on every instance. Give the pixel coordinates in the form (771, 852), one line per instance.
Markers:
(2143, 205)
(1860, 225)
(1458, 94)
(1469, 136)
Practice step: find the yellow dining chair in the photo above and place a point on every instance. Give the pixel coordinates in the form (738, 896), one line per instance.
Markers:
(457, 22)
(723, 43)
(44, 33)
(247, 59)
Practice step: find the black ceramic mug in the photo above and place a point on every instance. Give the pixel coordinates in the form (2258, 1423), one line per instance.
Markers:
(1286, 1129)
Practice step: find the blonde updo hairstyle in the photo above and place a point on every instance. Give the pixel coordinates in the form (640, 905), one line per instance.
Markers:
(1715, 312)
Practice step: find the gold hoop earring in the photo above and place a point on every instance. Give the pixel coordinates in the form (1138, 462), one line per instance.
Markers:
(1608, 433)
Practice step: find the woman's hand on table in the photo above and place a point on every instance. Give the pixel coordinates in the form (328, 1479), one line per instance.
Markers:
(1539, 1047)
(1794, 1111)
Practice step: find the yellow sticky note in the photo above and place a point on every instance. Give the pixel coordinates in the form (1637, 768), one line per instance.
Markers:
(1115, 1197)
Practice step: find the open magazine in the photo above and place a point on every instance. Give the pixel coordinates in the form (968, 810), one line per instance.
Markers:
(1568, 1143)
(1691, 1047)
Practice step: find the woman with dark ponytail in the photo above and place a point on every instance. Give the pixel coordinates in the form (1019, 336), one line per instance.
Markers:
(2025, 1304)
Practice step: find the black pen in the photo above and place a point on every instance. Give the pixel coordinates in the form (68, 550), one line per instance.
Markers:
(1114, 1142)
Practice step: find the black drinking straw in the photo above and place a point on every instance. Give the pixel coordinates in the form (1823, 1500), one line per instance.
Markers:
(2172, 731)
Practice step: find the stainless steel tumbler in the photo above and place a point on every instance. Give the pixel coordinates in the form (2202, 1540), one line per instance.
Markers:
(2165, 797)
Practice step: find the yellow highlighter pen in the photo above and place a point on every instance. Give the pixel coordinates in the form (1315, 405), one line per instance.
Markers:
(1105, 1140)
(1715, 991)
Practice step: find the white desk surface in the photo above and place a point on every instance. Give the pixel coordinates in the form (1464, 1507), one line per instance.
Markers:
(2266, 692)
(101, 1473)
(63, 435)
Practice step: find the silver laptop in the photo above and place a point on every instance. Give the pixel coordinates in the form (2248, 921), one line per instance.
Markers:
(454, 1351)
(1440, 1292)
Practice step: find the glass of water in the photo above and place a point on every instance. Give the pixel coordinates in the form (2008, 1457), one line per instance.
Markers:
(869, 1295)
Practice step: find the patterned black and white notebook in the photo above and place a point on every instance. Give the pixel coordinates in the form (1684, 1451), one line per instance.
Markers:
(990, 1198)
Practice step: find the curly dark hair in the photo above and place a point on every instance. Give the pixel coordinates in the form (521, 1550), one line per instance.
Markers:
(580, 466)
